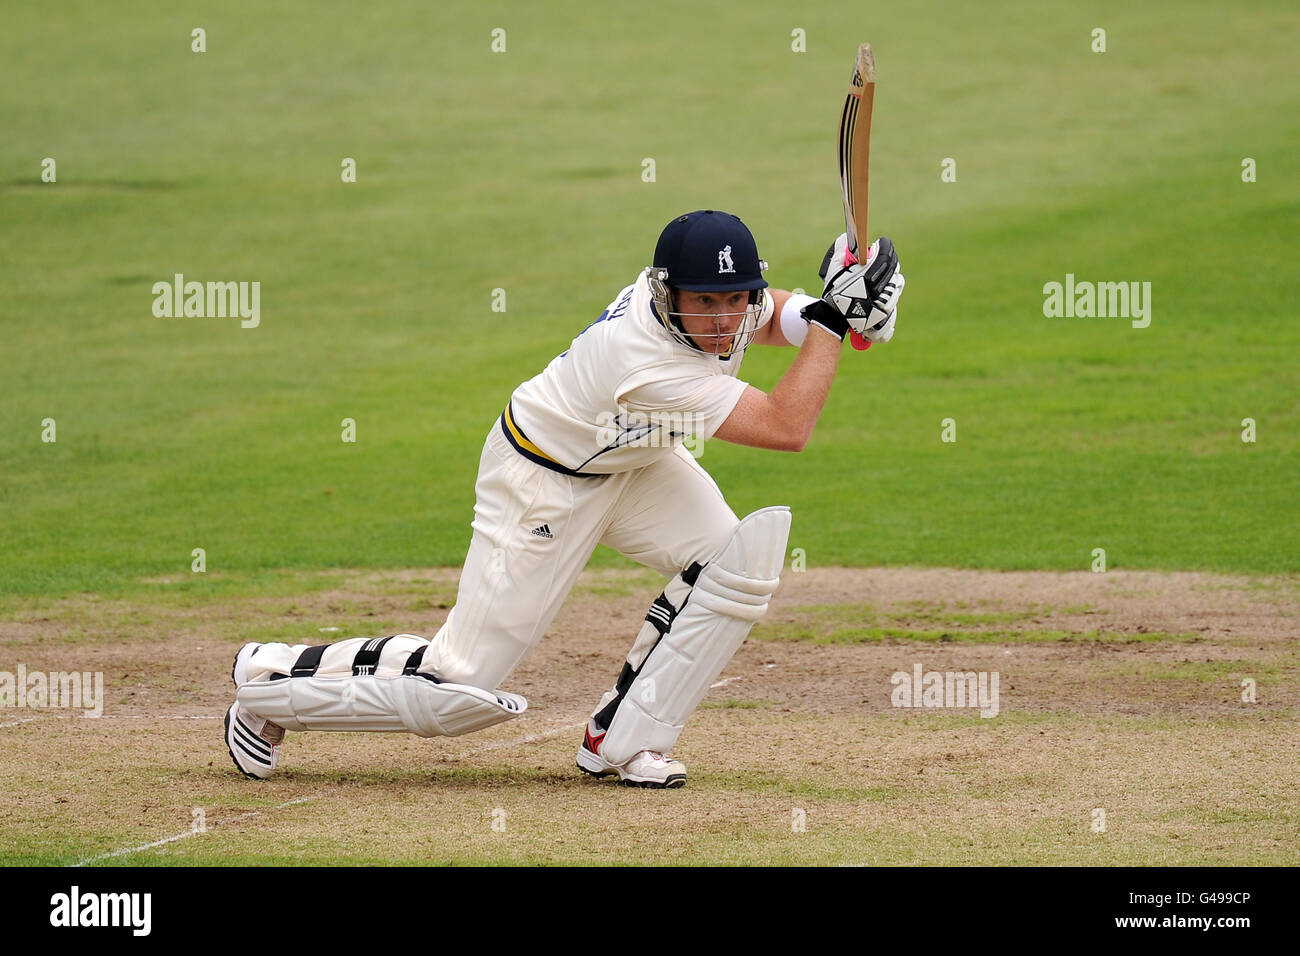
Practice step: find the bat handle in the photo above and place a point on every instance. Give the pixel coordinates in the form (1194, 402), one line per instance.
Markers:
(857, 340)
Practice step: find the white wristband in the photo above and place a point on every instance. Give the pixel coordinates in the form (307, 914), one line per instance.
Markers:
(793, 325)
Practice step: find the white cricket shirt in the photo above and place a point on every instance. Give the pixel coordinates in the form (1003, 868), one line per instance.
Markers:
(624, 394)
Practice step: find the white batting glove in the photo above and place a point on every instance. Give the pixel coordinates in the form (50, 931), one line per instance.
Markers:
(865, 293)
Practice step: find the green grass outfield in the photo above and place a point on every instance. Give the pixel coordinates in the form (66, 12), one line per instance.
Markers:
(522, 171)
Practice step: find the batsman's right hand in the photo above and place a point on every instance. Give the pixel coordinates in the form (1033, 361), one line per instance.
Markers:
(865, 293)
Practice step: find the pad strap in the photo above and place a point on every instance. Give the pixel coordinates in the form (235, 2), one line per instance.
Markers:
(367, 659)
(661, 614)
(308, 661)
(414, 661)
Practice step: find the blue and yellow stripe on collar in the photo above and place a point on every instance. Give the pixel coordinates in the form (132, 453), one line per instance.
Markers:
(515, 435)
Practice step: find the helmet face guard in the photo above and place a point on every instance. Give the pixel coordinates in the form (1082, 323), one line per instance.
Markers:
(721, 343)
(708, 251)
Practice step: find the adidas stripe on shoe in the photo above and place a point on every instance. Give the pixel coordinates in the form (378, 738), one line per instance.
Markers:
(254, 743)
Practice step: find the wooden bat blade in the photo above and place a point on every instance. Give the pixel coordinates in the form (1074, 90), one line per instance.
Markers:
(855, 157)
(855, 145)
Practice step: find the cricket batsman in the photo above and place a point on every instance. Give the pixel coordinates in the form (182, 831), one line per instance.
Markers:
(589, 451)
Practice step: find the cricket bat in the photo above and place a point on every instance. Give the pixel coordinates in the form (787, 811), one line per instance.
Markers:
(855, 151)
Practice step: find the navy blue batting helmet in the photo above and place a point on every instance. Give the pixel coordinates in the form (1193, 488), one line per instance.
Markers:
(708, 250)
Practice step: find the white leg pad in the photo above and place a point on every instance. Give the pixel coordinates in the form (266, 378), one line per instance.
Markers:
(730, 594)
(366, 685)
(406, 704)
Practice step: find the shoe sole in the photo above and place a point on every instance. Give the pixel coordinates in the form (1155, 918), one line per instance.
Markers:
(672, 783)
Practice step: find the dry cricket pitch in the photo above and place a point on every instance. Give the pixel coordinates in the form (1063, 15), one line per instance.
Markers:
(1125, 731)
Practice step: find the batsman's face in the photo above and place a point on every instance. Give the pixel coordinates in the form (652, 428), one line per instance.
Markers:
(712, 319)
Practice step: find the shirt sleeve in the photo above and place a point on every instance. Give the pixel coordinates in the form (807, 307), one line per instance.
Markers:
(697, 406)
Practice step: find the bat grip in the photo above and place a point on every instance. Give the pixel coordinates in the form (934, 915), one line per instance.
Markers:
(855, 339)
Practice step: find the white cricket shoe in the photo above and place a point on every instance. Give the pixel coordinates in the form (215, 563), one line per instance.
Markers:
(647, 769)
(254, 742)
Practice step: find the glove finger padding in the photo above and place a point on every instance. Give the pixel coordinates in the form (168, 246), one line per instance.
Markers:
(854, 289)
(878, 264)
(835, 254)
(879, 325)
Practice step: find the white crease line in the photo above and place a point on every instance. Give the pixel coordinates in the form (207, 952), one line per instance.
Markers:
(137, 849)
(532, 738)
(187, 833)
(165, 717)
(728, 680)
(25, 720)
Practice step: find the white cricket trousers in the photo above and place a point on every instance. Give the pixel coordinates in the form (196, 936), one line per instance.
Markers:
(533, 532)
